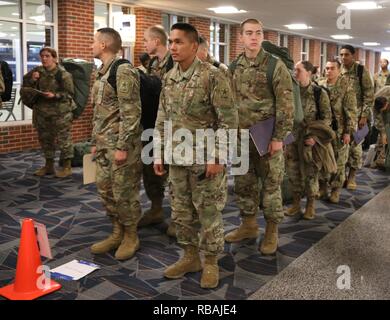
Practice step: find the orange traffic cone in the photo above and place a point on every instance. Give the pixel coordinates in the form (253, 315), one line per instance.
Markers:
(30, 282)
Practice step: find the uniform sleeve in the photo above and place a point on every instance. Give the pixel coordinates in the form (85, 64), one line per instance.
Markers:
(368, 95)
(379, 123)
(158, 136)
(128, 90)
(282, 85)
(222, 100)
(350, 109)
(325, 109)
(67, 91)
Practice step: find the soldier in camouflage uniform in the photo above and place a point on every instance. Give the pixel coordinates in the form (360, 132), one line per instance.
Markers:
(303, 175)
(256, 103)
(204, 55)
(365, 101)
(116, 141)
(382, 118)
(196, 96)
(52, 111)
(156, 41)
(381, 77)
(344, 112)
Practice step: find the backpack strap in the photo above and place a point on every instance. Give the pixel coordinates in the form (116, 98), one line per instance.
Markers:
(170, 63)
(113, 70)
(360, 70)
(271, 66)
(216, 64)
(317, 98)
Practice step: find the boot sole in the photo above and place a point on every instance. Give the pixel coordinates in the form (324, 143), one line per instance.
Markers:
(210, 287)
(128, 256)
(239, 240)
(106, 251)
(182, 274)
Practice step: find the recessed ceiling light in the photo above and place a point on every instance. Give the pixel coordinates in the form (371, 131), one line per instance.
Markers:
(3, 35)
(298, 26)
(341, 37)
(371, 44)
(15, 14)
(387, 49)
(228, 9)
(6, 3)
(362, 5)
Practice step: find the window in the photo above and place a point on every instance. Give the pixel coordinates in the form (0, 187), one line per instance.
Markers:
(26, 26)
(168, 20)
(109, 15)
(305, 49)
(324, 56)
(283, 40)
(219, 39)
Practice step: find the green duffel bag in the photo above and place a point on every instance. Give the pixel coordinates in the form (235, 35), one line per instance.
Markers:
(79, 149)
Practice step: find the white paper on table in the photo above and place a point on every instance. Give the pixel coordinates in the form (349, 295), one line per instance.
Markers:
(74, 270)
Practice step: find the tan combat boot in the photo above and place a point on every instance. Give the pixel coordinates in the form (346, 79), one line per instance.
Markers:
(112, 242)
(248, 229)
(47, 169)
(310, 209)
(351, 183)
(323, 190)
(154, 215)
(296, 206)
(190, 262)
(171, 231)
(269, 245)
(210, 273)
(66, 170)
(129, 245)
(335, 196)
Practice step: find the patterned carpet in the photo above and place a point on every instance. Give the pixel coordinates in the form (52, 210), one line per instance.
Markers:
(75, 219)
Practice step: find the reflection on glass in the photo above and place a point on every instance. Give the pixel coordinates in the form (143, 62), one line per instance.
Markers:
(39, 10)
(37, 38)
(10, 9)
(101, 15)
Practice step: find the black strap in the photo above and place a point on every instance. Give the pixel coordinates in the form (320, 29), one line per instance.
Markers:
(216, 64)
(317, 98)
(114, 68)
(272, 61)
(360, 70)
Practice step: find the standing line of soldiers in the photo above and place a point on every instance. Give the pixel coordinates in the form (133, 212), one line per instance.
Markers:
(199, 93)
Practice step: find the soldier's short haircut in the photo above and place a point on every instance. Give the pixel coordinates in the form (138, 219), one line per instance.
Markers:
(349, 48)
(308, 66)
(112, 39)
(336, 61)
(158, 32)
(203, 41)
(188, 29)
(50, 50)
(379, 103)
(251, 21)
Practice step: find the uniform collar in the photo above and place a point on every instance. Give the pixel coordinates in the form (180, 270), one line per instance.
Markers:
(178, 75)
(104, 67)
(245, 62)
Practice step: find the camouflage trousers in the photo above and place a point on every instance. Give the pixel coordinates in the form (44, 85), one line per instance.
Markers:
(197, 203)
(119, 186)
(341, 150)
(154, 185)
(303, 177)
(355, 160)
(265, 175)
(52, 127)
(380, 151)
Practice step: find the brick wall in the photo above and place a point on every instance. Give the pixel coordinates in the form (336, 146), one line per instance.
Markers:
(295, 47)
(75, 36)
(272, 36)
(332, 51)
(145, 18)
(235, 46)
(377, 61)
(202, 25)
(315, 52)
